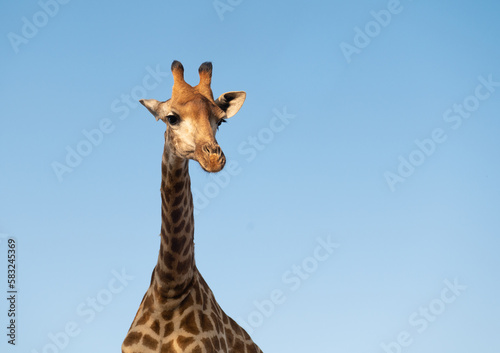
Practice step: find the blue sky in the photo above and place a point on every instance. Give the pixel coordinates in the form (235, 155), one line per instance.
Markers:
(358, 211)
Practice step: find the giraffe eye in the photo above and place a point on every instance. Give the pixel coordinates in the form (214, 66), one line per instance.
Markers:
(172, 119)
(221, 121)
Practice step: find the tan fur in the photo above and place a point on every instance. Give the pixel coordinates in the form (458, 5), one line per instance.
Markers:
(179, 312)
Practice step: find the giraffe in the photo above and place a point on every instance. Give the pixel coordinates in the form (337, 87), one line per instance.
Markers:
(179, 312)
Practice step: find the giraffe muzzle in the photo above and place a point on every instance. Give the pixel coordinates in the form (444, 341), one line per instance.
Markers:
(211, 158)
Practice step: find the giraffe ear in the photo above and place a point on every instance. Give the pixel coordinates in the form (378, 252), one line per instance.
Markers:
(158, 109)
(231, 102)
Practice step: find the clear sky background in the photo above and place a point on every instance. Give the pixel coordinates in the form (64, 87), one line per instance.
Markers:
(360, 209)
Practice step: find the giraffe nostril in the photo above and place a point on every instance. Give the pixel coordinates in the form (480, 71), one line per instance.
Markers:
(211, 149)
(206, 149)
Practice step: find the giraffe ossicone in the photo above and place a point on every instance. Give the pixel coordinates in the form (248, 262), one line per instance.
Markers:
(179, 312)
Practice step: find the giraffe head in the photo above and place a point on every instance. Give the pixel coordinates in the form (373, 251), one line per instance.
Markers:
(193, 117)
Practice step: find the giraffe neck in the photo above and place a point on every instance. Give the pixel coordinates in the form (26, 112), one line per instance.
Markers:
(175, 268)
